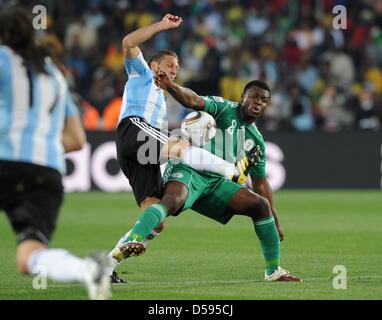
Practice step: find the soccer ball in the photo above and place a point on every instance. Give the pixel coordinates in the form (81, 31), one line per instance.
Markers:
(198, 127)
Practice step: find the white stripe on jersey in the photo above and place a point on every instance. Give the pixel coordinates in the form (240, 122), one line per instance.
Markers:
(39, 152)
(150, 103)
(20, 97)
(60, 91)
(162, 119)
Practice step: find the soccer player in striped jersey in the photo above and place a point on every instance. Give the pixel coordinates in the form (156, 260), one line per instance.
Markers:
(38, 123)
(143, 122)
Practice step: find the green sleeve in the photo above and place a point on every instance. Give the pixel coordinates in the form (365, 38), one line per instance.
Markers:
(214, 105)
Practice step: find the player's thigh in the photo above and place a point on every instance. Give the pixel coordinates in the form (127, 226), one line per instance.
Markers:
(191, 186)
(175, 196)
(216, 205)
(248, 203)
(139, 142)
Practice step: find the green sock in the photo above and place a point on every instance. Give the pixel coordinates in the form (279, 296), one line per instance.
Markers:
(148, 220)
(266, 231)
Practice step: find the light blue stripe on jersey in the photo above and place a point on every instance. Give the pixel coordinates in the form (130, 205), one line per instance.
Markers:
(71, 109)
(6, 147)
(52, 155)
(137, 92)
(137, 65)
(26, 151)
(142, 98)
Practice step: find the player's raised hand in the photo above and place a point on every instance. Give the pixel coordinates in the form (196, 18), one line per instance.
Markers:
(170, 21)
(162, 80)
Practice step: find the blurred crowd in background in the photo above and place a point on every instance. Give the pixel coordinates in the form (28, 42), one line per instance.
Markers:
(322, 78)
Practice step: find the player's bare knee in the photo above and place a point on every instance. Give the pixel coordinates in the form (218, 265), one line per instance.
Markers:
(261, 208)
(174, 197)
(173, 203)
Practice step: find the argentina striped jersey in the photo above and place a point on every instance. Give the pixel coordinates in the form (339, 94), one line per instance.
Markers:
(33, 108)
(142, 98)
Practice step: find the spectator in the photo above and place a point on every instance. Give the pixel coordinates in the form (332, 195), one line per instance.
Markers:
(366, 111)
(224, 43)
(81, 34)
(300, 111)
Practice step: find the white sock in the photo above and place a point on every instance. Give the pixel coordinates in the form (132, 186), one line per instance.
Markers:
(58, 264)
(114, 263)
(204, 160)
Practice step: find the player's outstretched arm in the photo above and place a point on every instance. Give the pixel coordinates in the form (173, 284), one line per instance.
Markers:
(263, 188)
(131, 41)
(183, 95)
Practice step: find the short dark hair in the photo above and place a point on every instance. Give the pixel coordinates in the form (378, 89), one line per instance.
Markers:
(257, 83)
(16, 32)
(160, 54)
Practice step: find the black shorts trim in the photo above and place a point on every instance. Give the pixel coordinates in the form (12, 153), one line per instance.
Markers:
(153, 132)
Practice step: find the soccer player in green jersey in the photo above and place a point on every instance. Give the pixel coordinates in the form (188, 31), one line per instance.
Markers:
(212, 195)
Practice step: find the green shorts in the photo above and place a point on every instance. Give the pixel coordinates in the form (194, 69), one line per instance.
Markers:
(208, 194)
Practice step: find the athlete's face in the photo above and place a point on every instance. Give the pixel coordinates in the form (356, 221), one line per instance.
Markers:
(254, 101)
(168, 64)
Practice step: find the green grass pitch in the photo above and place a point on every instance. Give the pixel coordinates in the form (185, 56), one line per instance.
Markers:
(197, 258)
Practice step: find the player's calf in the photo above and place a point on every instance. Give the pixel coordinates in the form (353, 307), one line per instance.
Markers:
(24, 250)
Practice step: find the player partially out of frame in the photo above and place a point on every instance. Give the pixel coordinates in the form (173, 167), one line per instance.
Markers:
(38, 123)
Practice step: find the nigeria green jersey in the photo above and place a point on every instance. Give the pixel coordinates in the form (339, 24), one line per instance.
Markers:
(234, 136)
